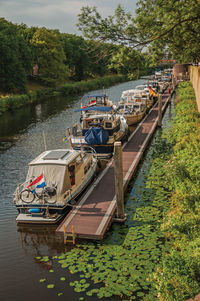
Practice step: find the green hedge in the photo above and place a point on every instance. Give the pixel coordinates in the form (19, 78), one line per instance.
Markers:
(176, 175)
(16, 101)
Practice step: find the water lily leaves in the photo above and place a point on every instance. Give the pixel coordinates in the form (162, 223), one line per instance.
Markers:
(60, 294)
(62, 278)
(50, 285)
(45, 258)
(42, 280)
(51, 271)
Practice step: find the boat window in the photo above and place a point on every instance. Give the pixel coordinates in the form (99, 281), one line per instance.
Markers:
(87, 167)
(71, 169)
(88, 124)
(108, 125)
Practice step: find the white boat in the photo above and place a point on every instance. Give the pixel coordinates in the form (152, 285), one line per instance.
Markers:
(133, 94)
(97, 100)
(54, 181)
(143, 88)
(132, 111)
(99, 129)
(137, 95)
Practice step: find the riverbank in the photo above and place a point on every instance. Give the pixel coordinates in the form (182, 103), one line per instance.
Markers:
(13, 102)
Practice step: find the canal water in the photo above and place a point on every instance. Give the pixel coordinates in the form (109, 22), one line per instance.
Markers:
(21, 140)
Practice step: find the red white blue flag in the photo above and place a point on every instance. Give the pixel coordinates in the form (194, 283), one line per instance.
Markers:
(39, 182)
(92, 103)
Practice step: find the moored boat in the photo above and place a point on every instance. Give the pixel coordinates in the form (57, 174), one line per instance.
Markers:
(133, 111)
(99, 129)
(54, 181)
(97, 100)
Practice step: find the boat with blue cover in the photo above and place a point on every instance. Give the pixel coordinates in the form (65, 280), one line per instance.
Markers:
(99, 129)
(54, 181)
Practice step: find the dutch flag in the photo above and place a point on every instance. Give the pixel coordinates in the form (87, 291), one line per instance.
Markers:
(39, 182)
(92, 103)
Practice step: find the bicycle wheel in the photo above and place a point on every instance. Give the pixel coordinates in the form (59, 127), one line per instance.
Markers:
(27, 196)
(47, 195)
(51, 192)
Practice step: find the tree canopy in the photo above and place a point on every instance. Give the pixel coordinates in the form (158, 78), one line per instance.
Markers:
(165, 26)
(50, 56)
(15, 60)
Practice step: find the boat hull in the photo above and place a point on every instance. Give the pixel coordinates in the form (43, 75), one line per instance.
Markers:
(134, 119)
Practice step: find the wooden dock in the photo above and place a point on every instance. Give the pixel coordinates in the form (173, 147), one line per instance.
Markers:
(95, 210)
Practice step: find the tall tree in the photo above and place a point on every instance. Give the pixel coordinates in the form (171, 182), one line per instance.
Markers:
(77, 58)
(50, 56)
(167, 25)
(127, 61)
(170, 25)
(15, 62)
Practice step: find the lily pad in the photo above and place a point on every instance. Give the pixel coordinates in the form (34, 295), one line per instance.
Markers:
(50, 285)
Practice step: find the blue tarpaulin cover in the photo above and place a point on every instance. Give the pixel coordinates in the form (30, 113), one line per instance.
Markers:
(100, 109)
(96, 136)
(96, 95)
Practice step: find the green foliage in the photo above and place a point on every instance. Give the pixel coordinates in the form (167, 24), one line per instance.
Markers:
(15, 60)
(113, 28)
(166, 26)
(178, 276)
(171, 27)
(50, 57)
(126, 61)
(76, 56)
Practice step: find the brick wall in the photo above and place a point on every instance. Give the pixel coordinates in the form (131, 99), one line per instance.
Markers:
(195, 80)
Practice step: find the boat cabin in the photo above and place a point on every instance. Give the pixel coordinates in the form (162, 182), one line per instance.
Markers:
(98, 100)
(62, 169)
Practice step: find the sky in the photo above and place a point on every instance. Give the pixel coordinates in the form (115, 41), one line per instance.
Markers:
(57, 14)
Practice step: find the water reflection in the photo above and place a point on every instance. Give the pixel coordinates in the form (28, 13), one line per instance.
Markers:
(35, 237)
(14, 124)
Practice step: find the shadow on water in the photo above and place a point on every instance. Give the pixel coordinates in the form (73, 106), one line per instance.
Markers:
(14, 124)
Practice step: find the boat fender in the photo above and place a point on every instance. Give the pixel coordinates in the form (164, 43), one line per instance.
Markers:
(34, 210)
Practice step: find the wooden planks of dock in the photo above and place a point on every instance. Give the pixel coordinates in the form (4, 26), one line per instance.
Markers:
(93, 213)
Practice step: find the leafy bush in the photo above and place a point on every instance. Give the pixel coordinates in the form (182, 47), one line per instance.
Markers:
(178, 276)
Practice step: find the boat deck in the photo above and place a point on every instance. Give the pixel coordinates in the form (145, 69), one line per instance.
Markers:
(94, 212)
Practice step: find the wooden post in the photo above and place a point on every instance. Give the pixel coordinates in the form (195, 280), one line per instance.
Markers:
(73, 235)
(64, 232)
(160, 110)
(69, 137)
(119, 189)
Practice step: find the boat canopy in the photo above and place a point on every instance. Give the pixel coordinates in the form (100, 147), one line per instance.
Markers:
(100, 109)
(53, 165)
(54, 175)
(97, 95)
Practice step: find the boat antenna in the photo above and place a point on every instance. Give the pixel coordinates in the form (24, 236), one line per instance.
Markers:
(45, 145)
